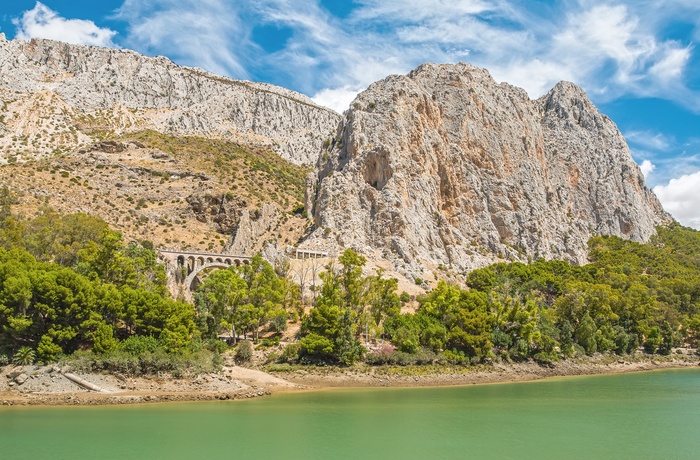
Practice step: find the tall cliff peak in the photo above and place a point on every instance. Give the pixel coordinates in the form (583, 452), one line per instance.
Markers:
(444, 166)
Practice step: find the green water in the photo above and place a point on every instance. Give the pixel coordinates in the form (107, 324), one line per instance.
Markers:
(653, 415)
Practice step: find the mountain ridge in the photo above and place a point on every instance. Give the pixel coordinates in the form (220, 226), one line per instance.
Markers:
(442, 167)
(155, 93)
(446, 167)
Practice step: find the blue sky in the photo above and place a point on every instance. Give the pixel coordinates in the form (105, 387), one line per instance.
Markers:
(637, 60)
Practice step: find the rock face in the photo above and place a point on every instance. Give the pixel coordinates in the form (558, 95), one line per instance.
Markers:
(74, 89)
(254, 229)
(445, 166)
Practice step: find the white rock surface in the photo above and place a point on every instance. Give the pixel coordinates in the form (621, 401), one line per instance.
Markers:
(74, 86)
(445, 166)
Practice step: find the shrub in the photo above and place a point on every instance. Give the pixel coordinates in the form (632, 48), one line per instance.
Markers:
(80, 361)
(545, 359)
(217, 361)
(316, 345)
(279, 321)
(47, 350)
(387, 356)
(118, 361)
(138, 344)
(404, 297)
(283, 367)
(456, 357)
(244, 351)
(290, 354)
(159, 361)
(24, 357)
(653, 340)
(4, 361)
(216, 345)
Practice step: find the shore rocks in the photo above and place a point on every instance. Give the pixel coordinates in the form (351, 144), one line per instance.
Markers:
(21, 378)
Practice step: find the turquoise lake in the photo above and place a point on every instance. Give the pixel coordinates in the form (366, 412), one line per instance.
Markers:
(652, 415)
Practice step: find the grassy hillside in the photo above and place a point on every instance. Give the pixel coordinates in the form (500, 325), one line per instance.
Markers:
(184, 192)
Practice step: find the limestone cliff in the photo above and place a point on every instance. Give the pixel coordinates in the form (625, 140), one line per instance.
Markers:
(54, 95)
(446, 166)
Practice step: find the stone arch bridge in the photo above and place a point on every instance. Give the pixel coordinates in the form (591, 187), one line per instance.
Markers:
(196, 262)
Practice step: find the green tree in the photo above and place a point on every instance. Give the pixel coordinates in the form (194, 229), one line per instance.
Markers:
(218, 300)
(653, 340)
(566, 343)
(586, 334)
(667, 339)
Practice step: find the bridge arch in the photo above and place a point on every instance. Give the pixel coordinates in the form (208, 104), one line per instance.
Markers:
(196, 262)
(190, 278)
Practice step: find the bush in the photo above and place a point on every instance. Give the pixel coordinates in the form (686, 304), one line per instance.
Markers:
(216, 345)
(80, 361)
(158, 362)
(244, 351)
(217, 361)
(148, 363)
(47, 350)
(316, 345)
(456, 357)
(267, 342)
(119, 362)
(283, 367)
(400, 358)
(290, 354)
(381, 356)
(651, 344)
(4, 361)
(545, 359)
(279, 321)
(24, 357)
(139, 344)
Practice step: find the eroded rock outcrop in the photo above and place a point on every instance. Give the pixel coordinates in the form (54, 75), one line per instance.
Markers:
(446, 166)
(254, 229)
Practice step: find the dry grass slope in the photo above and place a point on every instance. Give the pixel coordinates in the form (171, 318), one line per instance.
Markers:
(145, 183)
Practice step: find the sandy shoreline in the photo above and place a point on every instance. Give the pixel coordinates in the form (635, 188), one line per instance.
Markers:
(45, 386)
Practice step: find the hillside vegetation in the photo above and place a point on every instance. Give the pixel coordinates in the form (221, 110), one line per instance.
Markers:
(68, 283)
(181, 192)
(629, 295)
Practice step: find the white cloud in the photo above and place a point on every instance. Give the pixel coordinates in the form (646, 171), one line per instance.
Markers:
(670, 67)
(650, 140)
(535, 76)
(42, 22)
(647, 167)
(338, 99)
(202, 33)
(680, 197)
(420, 10)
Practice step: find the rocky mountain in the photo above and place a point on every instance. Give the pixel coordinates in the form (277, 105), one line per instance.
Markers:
(445, 168)
(56, 96)
(441, 168)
